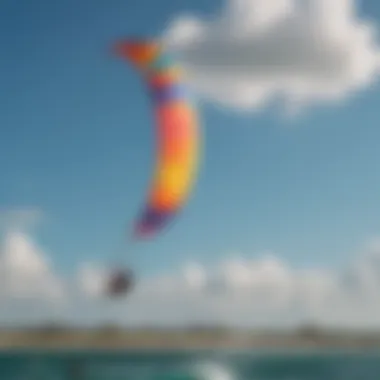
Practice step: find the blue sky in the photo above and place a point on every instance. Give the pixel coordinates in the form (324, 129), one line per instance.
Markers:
(77, 142)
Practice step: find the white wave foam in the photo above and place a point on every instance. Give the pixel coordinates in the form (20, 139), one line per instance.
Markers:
(213, 371)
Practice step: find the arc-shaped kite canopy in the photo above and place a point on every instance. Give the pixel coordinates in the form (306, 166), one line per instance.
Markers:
(176, 130)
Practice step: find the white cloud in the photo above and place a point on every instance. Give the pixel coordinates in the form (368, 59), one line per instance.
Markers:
(25, 270)
(262, 290)
(256, 51)
(194, 275)
(258, 291)
(91, 280)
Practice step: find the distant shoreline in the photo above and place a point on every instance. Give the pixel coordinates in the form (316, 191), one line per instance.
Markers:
(142, 339)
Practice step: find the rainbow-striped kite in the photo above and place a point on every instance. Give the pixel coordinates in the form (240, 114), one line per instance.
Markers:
(177, 134)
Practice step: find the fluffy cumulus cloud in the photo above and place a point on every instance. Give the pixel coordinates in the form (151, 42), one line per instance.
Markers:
(261, 290)
(26, 271)
(255, 51)
(29, 286)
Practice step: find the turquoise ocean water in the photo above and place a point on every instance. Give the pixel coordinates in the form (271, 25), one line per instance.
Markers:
(194, 365)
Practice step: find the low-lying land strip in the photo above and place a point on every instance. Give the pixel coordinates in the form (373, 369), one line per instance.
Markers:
(118, 338)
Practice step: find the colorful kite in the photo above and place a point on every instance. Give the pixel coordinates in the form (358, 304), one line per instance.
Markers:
(177, 134)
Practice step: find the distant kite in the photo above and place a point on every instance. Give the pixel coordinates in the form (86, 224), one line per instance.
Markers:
(177, 134)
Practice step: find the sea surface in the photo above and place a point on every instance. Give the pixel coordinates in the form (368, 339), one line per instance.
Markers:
(189, 365)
